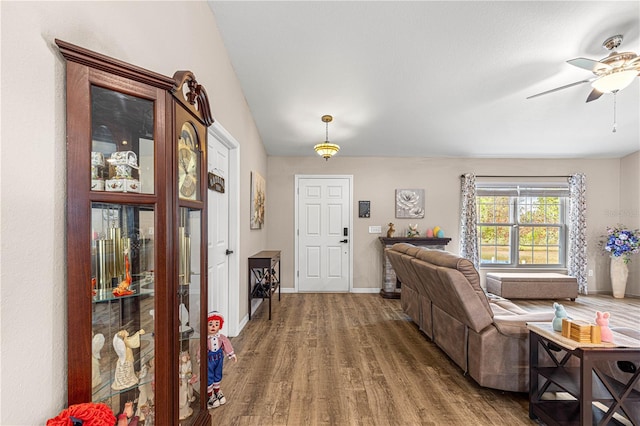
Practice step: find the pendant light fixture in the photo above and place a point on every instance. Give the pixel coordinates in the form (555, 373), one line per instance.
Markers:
(326, 149)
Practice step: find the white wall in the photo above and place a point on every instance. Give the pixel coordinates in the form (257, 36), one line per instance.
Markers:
(161, 36)
(629, 212)
(376, 179)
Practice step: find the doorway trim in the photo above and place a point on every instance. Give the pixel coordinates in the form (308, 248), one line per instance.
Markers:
(296, 277)
(233, 187)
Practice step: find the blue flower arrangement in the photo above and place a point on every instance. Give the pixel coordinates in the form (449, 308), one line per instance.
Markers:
(621, 242)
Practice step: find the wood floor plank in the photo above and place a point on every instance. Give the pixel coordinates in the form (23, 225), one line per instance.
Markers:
(357, 359)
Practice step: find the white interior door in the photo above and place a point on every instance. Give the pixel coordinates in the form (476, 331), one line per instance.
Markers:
(224, 229)
(218, 271)
(221, 272)
(323, 234)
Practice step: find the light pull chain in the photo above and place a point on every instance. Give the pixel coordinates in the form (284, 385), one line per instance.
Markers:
(614, 110)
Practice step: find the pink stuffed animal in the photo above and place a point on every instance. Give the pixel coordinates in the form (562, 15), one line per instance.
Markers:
(602, 319)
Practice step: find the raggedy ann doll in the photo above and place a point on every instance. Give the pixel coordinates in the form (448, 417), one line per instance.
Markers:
(218, 345)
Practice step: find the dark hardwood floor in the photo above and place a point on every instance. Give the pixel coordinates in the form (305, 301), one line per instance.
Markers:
(357, 359)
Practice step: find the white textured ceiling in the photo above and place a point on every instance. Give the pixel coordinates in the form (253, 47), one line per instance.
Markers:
(431, 78)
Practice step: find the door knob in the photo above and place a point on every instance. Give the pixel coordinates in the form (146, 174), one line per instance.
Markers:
(344, 241)
(228, 252)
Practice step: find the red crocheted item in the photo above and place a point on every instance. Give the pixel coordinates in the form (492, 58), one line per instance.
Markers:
(90, 413)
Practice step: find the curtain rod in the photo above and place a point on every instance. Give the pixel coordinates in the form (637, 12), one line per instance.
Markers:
(506, 176)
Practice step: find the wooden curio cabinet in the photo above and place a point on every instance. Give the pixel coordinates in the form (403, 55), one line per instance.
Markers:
(136, 239)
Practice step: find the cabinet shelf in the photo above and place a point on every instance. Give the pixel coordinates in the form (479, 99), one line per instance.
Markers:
(568, 378)
(567, 413)
(144, 288)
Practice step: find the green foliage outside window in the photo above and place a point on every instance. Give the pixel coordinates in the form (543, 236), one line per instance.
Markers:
(533, 224)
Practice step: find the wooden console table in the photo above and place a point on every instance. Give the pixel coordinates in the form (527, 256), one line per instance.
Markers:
(390, 285)
(264, 267)
(586, 383)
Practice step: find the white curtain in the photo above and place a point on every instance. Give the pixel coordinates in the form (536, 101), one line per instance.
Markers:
(577, 250)
(468, 219)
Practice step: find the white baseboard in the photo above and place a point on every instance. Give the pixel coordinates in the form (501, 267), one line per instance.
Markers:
(353, 290)
(366, 290)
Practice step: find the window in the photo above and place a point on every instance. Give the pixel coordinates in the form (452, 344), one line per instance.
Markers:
(522, 225)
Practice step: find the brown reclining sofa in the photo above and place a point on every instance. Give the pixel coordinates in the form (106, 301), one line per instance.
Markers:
(486, 337)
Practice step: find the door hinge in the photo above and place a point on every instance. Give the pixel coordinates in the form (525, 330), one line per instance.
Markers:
(297, 273)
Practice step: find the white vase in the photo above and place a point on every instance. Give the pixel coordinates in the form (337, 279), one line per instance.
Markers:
(619, 273)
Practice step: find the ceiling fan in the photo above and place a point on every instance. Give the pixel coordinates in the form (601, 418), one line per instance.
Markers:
(611, 74)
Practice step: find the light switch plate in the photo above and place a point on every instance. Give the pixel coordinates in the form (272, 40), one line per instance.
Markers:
(375, 229)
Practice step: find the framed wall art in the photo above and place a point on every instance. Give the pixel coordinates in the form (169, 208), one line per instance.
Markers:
(410, 203)
(258, 192)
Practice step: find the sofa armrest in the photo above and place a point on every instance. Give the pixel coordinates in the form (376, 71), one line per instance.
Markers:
(516, 325)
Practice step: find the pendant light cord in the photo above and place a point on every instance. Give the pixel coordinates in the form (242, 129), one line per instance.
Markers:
(614, 111)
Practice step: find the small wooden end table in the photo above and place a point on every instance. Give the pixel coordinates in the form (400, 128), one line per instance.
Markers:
(586, 383)
(264, 267)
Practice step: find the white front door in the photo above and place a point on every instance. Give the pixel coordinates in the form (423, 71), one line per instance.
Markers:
(323, 233)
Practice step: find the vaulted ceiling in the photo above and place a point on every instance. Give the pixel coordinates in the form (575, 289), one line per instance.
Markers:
(432, 78)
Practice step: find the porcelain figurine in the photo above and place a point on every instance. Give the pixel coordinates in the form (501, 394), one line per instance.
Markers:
(602, 319)
(391, 231)
(185, 391)
(560, 313)
(123, 344)
(146, 380)
(96, 346)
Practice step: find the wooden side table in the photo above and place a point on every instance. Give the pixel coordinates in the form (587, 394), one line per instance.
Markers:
(390, 285)
(586, 383)
(264, 267)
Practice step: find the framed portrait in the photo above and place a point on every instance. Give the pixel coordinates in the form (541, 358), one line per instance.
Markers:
(410, 203)
(258, 192)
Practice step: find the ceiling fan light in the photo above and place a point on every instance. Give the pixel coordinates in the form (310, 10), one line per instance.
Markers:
(614, 81)
(326, 149)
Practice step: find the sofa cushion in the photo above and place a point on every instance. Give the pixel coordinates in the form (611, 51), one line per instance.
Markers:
(467, 304)
(463, 266)
(516, 325)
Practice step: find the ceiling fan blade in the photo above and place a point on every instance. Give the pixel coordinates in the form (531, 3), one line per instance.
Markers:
(588, 64)
(561, 88)
(633, 65)
(595, 94)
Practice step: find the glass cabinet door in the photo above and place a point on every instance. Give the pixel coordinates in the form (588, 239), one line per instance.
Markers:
(122, 148)
(123, 308)
(122, 252)
(189, 314)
